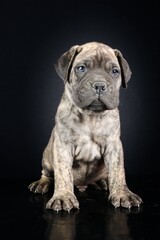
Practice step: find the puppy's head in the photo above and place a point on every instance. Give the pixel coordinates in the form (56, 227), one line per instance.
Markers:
(93, 74)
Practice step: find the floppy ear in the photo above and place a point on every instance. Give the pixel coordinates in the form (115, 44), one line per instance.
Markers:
(64, 64)
(125, 69)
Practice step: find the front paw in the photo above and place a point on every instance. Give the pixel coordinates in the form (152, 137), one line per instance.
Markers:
(66, 202)
(125, 198)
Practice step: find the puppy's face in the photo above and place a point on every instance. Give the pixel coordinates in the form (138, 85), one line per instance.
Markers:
(93, 76)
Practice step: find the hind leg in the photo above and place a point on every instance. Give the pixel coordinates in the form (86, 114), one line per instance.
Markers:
(42, 185)
(99, 185)
(102, 184)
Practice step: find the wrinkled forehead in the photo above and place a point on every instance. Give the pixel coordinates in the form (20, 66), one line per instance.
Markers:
(96, 52)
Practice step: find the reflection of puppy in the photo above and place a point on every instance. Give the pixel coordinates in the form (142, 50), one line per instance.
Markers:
(85, 147)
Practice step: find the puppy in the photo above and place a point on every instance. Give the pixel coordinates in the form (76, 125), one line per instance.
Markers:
(85, 146)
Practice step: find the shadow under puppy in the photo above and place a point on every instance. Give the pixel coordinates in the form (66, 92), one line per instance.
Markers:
(85, 146)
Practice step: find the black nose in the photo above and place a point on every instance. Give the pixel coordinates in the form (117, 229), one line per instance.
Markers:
(99, 87)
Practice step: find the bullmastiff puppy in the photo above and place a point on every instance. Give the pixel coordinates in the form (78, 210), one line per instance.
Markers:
(85, 146)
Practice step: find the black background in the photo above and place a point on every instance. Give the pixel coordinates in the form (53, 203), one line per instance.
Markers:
(33, 35)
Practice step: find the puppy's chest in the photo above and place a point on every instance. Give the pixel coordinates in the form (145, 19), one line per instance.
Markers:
(89, 146)
(91, 136)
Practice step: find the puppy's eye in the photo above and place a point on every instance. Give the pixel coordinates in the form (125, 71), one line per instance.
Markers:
(81, 69)
(115, 72)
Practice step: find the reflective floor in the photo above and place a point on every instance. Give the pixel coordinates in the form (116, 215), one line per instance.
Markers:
(23, 214)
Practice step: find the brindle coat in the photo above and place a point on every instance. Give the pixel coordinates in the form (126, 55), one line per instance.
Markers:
(85, 146)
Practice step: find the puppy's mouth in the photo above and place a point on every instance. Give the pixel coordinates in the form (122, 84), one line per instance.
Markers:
(97, 105)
